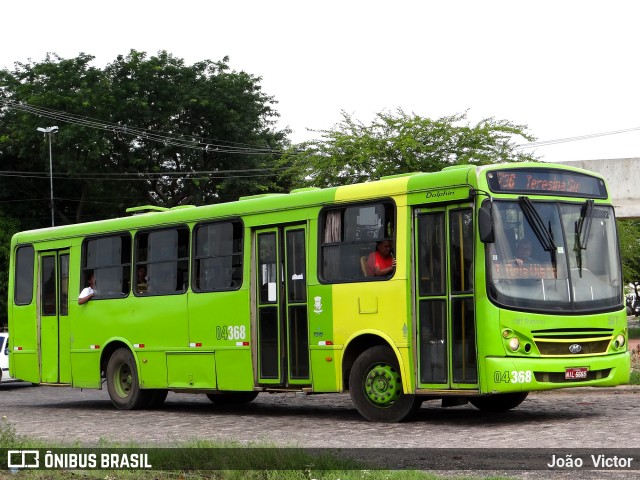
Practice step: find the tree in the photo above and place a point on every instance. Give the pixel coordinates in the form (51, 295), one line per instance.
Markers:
(8, 226)
(629, 240)
(54, 85)
(397, 143)
(223, 119)
(141, 130)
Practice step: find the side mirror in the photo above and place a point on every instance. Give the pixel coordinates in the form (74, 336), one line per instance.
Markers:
(485, 224)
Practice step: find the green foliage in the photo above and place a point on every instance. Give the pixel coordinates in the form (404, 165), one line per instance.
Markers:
(122, 122)
(397, 143)
(8, 226)
(629, 239)
(8, 436)
(223, 456)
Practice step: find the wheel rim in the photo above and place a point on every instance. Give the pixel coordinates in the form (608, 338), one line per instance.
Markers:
(123, 380)
(382, 385)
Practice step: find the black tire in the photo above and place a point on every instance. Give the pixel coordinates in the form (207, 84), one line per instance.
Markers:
(231, 398)
(156, 398)
(375, 385)
(123, 384)
(498, 403)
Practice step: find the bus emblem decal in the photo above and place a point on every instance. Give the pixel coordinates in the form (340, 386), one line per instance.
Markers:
(317, 305)
(575, 348)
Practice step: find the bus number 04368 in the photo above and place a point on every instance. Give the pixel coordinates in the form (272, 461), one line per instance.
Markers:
(231, 332)
(514, 376)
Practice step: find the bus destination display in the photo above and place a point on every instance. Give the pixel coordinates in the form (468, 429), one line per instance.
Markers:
(543, 180)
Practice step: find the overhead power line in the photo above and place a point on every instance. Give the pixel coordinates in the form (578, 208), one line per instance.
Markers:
(119, 130)
(556, 141)
(219, 146)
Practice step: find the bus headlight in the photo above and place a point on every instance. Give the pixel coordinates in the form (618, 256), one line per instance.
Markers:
(514, 344)
(619, 343)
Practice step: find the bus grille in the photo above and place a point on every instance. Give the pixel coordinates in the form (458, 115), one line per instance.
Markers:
(559, 377)
(587, 347)
(572, 342)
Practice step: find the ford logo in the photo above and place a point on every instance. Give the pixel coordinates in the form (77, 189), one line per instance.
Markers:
(575, 348)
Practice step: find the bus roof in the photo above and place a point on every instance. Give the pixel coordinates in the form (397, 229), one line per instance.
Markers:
(390, 186)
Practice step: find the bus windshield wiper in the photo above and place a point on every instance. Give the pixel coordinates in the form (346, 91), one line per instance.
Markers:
(545, 237)
(583, 226)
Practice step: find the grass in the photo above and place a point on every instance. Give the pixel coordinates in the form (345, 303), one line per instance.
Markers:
(304, 466)
(634, 334)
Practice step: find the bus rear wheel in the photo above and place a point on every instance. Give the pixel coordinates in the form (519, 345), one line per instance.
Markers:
(500, 402)
(123, 384)
(375, 385)
(230, 398)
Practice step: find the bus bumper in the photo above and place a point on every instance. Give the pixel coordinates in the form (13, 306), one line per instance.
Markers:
(517, 374)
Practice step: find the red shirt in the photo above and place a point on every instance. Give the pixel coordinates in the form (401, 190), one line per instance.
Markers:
(376, 259)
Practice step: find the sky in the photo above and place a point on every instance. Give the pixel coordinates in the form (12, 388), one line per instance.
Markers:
(564, 69)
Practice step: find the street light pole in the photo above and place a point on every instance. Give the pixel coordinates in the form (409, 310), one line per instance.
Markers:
(50, 131)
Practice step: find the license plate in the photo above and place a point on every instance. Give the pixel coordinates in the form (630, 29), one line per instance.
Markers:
(575, 373)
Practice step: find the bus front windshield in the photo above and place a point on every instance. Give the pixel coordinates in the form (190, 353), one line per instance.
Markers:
(554, 256)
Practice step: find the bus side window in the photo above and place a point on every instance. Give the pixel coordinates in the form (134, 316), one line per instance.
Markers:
(163, 254)
(217, 256)
(349, 236)
(109, 259)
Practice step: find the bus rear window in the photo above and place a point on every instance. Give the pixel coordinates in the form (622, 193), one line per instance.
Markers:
(23, 283)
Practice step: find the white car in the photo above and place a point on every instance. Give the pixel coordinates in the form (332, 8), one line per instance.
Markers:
(4, 357)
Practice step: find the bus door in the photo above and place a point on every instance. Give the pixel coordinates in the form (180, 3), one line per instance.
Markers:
(446, 341)
(53, 287)
(282, 357)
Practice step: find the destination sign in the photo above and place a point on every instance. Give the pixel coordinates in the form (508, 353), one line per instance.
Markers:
(546, 181)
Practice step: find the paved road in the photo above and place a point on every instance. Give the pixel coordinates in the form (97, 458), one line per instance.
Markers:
(569, 418)
(575, 418)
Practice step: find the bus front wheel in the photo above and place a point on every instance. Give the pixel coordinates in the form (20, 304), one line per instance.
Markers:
(375, 385)
(498, 403)
(122, 382)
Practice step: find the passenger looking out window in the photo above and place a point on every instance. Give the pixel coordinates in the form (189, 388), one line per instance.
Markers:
(381, 262)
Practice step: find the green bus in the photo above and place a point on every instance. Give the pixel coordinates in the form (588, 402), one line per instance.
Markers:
(277, 293)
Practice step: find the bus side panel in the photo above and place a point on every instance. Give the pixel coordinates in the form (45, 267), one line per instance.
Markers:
(325, 359)
(152, 368)
(23, 360)
(155, 323)
(220, 321)
(234, 369)
(378, 308)
(191, 370)
(489, 336)
(85, 370)
(64, 357)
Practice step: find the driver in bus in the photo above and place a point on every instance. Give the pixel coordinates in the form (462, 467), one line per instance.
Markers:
(523, 253)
